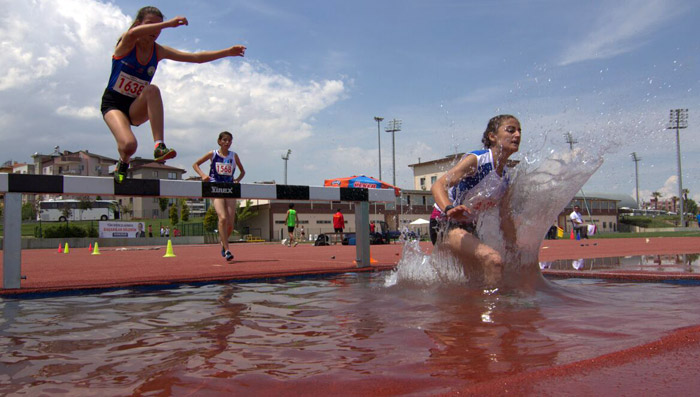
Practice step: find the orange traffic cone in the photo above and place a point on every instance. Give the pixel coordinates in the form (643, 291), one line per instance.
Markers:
(60, 250)
(572, 235)
(372, 261)
(90, 248)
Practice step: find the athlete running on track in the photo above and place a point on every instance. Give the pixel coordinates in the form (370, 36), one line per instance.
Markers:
(222, 169)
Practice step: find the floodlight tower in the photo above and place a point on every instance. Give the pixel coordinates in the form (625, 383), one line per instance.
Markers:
(286, 158)
(570, 140)
(678, 119)
(393, 126)
(636, 174)
(379, 144)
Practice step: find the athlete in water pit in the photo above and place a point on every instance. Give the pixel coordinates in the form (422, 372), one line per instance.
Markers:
(477, 182)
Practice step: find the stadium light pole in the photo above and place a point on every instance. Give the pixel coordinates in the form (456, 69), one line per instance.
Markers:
(678, 119)
(636, 160)
(379, 143)
(393, 126)
(286, 158)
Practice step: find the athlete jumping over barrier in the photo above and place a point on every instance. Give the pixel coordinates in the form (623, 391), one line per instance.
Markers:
(130, 98)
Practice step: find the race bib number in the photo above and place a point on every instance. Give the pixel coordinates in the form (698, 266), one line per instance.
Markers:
(129, 85)
(224, 169)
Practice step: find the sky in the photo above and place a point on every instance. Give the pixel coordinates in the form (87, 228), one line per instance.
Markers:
(317, 72)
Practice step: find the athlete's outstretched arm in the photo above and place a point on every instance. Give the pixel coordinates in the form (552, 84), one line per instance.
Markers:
(165, 52)
(128, 39)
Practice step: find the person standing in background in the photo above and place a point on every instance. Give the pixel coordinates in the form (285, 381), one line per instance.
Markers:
(291, 221)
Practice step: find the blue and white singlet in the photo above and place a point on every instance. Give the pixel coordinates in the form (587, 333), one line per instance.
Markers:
(129, 76)
(481, 190)
(222, 168)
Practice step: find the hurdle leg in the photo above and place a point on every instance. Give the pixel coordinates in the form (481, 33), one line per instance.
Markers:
(12, 242)
(362, 233)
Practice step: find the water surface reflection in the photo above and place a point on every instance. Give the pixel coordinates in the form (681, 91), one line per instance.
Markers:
(341, 332)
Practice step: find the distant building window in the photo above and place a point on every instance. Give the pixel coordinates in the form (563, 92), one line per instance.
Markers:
(433, 179)
(172, 175)
(323, 222)
(422, 183)
(155, 174)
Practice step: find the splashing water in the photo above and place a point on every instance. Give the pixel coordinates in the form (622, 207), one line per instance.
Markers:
(540, 189)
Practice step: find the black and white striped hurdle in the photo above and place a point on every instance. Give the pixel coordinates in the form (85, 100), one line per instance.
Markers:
(14, 185)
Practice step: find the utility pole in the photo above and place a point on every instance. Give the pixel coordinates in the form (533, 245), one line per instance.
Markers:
(570, 140)
(636, 175)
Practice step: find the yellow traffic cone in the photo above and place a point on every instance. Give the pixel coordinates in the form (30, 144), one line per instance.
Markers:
(96, 250)
(65, 250)
(169, 251)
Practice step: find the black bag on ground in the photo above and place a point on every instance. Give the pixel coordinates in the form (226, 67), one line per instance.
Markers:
(322, 239)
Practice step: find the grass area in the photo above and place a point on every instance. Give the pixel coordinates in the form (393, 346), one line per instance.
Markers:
(28, 228)
(648, 234)
(659, 221)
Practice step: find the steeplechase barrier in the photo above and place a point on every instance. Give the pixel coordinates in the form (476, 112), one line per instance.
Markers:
(14, 185)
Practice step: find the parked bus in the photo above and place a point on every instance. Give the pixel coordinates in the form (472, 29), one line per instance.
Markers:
(56, 210)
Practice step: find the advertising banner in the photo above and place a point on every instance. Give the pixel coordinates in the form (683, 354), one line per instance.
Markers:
(109, 229)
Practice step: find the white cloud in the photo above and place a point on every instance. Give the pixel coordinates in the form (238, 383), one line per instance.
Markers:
(85, 112)
(622, 27)
(56, 59)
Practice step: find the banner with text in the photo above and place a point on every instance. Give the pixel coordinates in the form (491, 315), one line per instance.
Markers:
(121, 229)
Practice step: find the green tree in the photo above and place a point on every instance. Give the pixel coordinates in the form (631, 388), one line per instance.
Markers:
(84, 204)
(185, 212)
(28, 211)
(163, 204)
(211, 220)
(691, 206)
(243, 213)
(173, 215)
(127, 209)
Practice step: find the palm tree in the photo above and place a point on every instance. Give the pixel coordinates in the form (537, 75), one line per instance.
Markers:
(655, 199)
(675, 202)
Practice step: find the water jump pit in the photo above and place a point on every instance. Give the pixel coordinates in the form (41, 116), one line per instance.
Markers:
(352, 333)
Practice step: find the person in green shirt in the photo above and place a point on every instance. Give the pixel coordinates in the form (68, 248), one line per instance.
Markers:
(292, 220)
